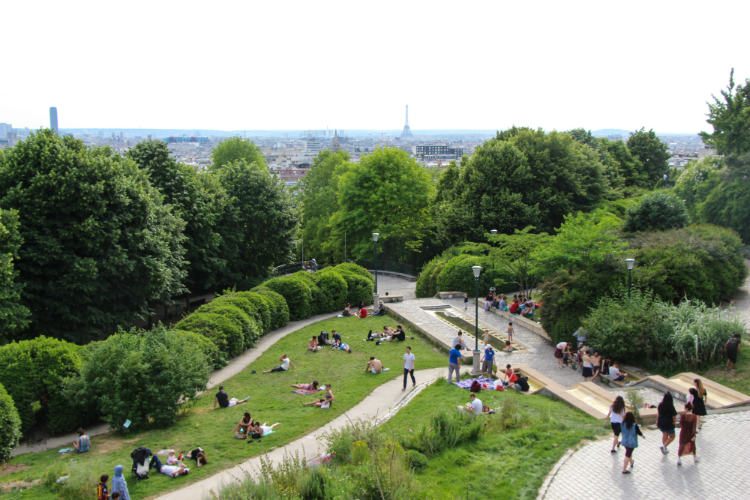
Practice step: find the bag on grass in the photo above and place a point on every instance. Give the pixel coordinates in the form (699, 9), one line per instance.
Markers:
(475, 386)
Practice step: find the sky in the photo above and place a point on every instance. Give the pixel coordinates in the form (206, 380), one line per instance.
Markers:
(286, 65)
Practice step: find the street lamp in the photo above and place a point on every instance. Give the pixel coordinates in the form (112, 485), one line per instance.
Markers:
(630, 263)
(375, 295)
(494, 231)
(477, 270)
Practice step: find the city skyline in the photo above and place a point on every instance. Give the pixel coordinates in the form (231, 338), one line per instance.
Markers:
(554, 66)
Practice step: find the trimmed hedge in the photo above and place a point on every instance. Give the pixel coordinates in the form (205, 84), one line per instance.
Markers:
(320, 303)
(36, 370)
(215, 358)
(358, 288)
(225, 333)
(10, 425)
(334, 287)
(453, 273)
(277, 306)
(348, 267)
(297, 291)
(250, 329)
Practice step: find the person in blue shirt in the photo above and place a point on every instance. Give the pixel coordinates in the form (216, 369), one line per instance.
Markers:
(488, 360)
(454, 363)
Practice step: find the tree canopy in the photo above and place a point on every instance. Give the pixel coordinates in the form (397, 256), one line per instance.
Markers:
(13, 315)
(235, 149)
(730, 118)
(652, 154)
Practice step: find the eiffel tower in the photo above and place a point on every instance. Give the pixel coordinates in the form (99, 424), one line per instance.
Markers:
(406, 134)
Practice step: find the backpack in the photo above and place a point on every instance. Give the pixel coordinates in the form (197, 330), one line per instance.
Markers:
(140, 462)
(475, 386)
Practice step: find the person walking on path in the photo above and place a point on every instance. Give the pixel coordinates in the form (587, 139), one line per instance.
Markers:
(689, 423)
(731, 349)
(630, 433)
(454, 363)
(409, 361)
(666, 417)
(615, 416)
(488, 360)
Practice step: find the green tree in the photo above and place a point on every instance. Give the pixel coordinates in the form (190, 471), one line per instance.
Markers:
(727, 196)
(691, 184)
(235, 149)
(629, 168)
(258, 226)
(99, 244)
(197, 199)
(657, 211)
(10, 425)
(14, 317)
(516, 252)
(652, 154)
(319, 202)
(389, 193)
(730, 119)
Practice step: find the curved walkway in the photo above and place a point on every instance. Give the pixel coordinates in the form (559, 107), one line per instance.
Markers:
(593, 473)
(374, 406)
(235, 366)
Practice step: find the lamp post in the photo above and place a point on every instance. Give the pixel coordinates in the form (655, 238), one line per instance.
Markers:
(494, 232)
(476, 370)
(375, 296)
(630, 263)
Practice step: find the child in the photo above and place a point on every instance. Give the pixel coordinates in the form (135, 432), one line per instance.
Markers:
(171, 459)
(101, 489)
(116, 495)
(508, 346)
(466, 301)
(510, 331)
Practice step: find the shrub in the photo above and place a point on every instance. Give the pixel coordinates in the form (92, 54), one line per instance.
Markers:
(427, 280)
(215, 358)
(350, 267)
(657, 211)
(225, 332)
(141, 376)
(358, 288)
(35, 370)
(333, 286)
(457, 275)
(297, 292)
(10, 425)
(250, 330)
(319, 303)
(262, 310)
(277, 306)
(417, 460)
(446, 429)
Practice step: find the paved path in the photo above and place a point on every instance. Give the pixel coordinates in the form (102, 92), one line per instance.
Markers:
(540, 357)
(741, 300)
(235, 366)
(375, 406)
(595, 473)
(396, 286)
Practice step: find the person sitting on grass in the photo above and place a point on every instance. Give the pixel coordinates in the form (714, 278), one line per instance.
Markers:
(510, 376)
(308, 387)
(348, 310)
(474, 407)
(285, 362)
(261, 430)
(241, 431)
(335, 336)
(508, 346)
(372, 336)
(82, 444)
(486, 410)
(320, 402)
(313, 345)
(168, 470)
(363, 313)
(380, 311)
(400, 334)
(223, 400)
(374, 366)
(459, 340)
(615, 373)
(199, 455)
(171, 459)
(337, 344)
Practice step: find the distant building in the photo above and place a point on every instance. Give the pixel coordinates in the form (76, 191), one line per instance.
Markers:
(175, 140)
(438, 152)
(335, 145)
(53, 120)
(312, 145)
(406, 134)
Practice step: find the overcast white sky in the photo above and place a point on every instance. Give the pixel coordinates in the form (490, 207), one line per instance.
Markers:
(234, 65)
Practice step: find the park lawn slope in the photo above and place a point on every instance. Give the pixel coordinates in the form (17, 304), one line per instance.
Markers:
(509, 463)
(271, 400)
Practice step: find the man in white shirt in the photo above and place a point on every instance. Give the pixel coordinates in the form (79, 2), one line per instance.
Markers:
(459, 340)
(475, 406)
(285, 362)
(409, 360)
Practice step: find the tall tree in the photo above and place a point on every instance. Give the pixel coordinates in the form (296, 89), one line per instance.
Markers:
(389, 193)
(99, 244)
(727, 196)
(13, 315)
(235, 149)
(197, 199)
(258, 226)
(319, 202)
(730, 119)
(652, 153)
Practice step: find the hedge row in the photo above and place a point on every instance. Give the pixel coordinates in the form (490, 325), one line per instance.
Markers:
(10, 425)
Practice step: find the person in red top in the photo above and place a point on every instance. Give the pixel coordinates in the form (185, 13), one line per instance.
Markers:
(102, 493)
(363, 313)
(510, 376)
(514, 307)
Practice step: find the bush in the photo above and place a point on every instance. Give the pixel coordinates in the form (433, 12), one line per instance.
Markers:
(141, 376)
(319, 303)
(427, 280)
(260, 306)
(10, 425)
(215, 358)
(35, 371)
(350, 267)
(457, 276)
(417, 460)
(225, 332)
(250, 329)
(358, 288)
(446, 429)
(297, 291)
(277, 306)
(657, 211)
(333, 286)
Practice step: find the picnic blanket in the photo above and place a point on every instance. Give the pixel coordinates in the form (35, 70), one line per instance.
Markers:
(304, 391)
(466, 384)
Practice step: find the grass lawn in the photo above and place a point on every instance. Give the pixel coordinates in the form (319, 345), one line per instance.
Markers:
(271, 400)
(502, 464)
(739, 380)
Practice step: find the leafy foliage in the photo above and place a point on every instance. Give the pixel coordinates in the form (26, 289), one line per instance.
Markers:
(727, 196)
(141, 376)
(297, 292)
(99, 244)
(730, 119)
(237, 149)
(333, 286)
(277, 305)
(13, 315)
(657, 211)
(651, 153)
(36, 371)
(10, 425)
